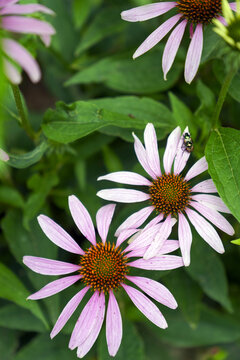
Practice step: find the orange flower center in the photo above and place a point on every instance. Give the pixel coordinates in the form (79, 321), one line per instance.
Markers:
(199, 11)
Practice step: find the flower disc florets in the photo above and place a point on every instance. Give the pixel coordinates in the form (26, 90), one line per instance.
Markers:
(103, 267)
(170, 194)
(199, 11)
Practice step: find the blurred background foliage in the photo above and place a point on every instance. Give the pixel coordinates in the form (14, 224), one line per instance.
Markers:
(91, 97)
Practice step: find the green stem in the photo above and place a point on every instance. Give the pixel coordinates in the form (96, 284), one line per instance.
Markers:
(222, 95)
(24, 120)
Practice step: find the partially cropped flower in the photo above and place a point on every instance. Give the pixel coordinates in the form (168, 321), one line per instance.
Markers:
(103, 268)
(170, 194)
(3, 155)
(15, 55)
(196, 14)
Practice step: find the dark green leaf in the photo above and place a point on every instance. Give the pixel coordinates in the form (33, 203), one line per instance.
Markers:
(10, 196)
(8, 343)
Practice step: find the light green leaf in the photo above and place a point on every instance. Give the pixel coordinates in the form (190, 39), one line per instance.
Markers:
(236, 242)
(10, 196)
(25, 160)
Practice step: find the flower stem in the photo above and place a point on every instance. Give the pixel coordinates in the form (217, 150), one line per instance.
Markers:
(24, 120)
(222, 95)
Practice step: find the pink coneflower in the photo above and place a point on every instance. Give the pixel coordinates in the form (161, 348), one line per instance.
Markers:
(15, 53)
(102, 269)
(193, 12)
(170, 194)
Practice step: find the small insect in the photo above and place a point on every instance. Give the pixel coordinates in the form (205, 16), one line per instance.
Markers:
(187, 142)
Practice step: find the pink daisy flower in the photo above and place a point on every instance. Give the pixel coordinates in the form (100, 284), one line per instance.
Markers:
(11, 20)
(195, 13)
(170, 193)
(103, 268)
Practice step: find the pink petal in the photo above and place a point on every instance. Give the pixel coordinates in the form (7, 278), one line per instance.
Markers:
(21, 56)
(126, 177)
(55, 287)
(3, 155)
(154, 221)
(171, 148)
(233, 6)
(144, 238)
(7, 2)
(163, 262)
(172, 46)
(58, 236)
(12, 73)
(68, 311)
(142, 156)
(215, 217)
(25, 25)
(151, 145)
(46, 39)
(113, 325)
(123, 195)
(49, 267)
(206, 186)
(154, 289)
(82, 218)
(146, 306)
(124, 235)
(185, 238)
(26, 9)
(168, 247)
(182, 155)
(212, 201)
(222, 20)
(199, 167)
(146, 12)
(103, 219)
(135, 220)
(194, 54)
(205, 230)
(85, 346)
(157, 35)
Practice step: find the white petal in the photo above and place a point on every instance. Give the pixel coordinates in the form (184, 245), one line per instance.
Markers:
(103, 219)
(212, 201)
(113, 325)
(123, 195)
(142, 156)
(199, 167)
(194, 54)
(151, 145)
(146, 12)
(171, 148)
(135, 220)
(185, 238)
(126, 177)
(206, 186)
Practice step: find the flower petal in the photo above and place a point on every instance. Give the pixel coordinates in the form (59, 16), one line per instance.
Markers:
(55, 287)
(146, 12)
(194, 54)
(199, 167)
(156, 36)
(233, 6)
(172, 46)
(146, 306)
(168, 247)
(7, 2)
(212, 201)
(124, 235)
(135, 220)
(123, 195)
(205, 230)
(206, 186)
(26, 9)
(126, 177)
(151, 145)
(144, 238)
(58, 236)
(182, 155)
(163, 262)
(12, 72)
(171, 148)
(113, 325)
(68, 311)
(49, 267)
(185, 238)
(142, 156)
(25, 25)
(82, 218)
(103, 219)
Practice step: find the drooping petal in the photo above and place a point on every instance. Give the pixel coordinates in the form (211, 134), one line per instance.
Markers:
(185, 238)
(194, 54)
(156, 36)
(25, 25)
(49, 267)
(58, 236)
(144, 238)
(212, 201)
(113, 325)
(215, 217)
(151, 145)
(55, 287)
(205, 230)
(7, 2)
(25, 9)
(199, 167)
(46, 39)
(146, 306)
(124, 235)
(103, 219)
(146, 12)
(172, 46)
(126, 177)
(68, 311)
(163, 262)
(12, 72)
(82, 218)
(168, 247)
(182, 155)
(123, 195)
(171, 148)
(21, 56)
(135, 220)
(142, 156)
(206, 186)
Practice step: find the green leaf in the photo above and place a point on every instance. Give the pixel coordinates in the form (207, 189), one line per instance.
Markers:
(25, 160)
(10, 196)
(111, 160)
(12, 289)
(220, 72)
(81, 10)
(222, 154)
(8, 343)
(237, 242)
(211, 42)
